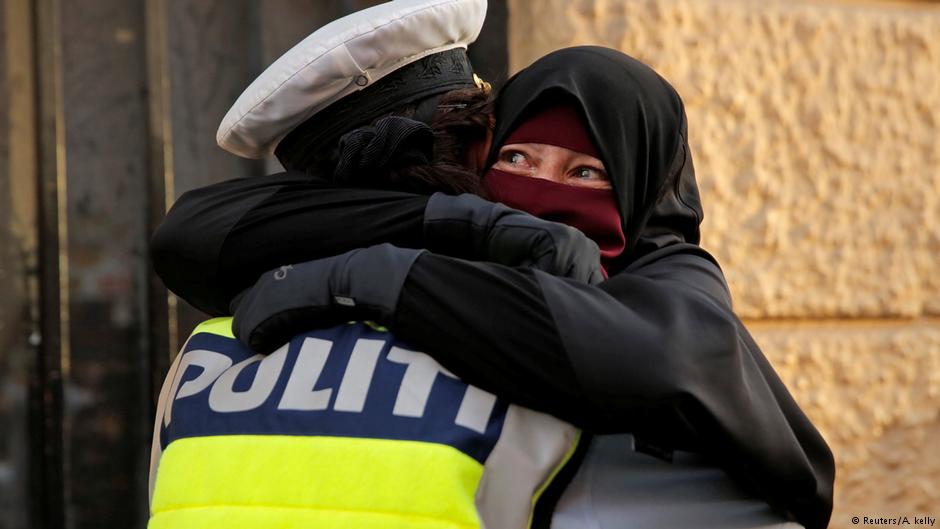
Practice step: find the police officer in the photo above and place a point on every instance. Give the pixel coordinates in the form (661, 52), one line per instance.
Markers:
(347, 426)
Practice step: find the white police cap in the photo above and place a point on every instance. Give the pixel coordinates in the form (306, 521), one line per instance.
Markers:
(342, 58)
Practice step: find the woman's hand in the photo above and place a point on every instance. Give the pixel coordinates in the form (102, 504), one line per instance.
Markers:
(362, 284)
(470, 227)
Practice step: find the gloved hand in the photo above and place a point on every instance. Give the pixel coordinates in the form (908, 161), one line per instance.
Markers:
(470, 227)
(363, 284)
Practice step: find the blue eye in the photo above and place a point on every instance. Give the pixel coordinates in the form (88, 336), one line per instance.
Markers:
(585, 173)
(516, 158)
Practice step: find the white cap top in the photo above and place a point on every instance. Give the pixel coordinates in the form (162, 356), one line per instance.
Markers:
(342, 57)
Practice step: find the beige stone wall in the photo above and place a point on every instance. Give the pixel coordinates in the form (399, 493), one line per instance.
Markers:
(815, 128)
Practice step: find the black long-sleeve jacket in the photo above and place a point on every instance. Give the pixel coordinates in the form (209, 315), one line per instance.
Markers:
(655, 350)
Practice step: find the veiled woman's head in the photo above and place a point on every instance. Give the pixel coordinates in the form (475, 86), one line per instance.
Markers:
(605, 105)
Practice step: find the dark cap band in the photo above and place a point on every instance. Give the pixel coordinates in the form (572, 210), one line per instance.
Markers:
(422, 79)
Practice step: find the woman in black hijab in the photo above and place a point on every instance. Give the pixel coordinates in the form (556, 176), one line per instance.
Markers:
(655, 350)
(664, 352)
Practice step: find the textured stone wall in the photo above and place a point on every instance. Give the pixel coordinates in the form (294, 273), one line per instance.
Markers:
(815, 128)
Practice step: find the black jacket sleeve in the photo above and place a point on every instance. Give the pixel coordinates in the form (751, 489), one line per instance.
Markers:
(215, 241)
(655, 350)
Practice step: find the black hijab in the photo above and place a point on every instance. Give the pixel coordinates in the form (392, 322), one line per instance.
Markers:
(638, 123)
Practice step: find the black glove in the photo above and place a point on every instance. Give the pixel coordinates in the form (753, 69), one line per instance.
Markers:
(470, 227)
(363, 284)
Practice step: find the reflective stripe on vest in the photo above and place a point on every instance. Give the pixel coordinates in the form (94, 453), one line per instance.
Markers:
(341, 427)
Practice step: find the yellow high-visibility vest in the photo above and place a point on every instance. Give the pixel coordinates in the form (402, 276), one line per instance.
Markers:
(341, 427)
